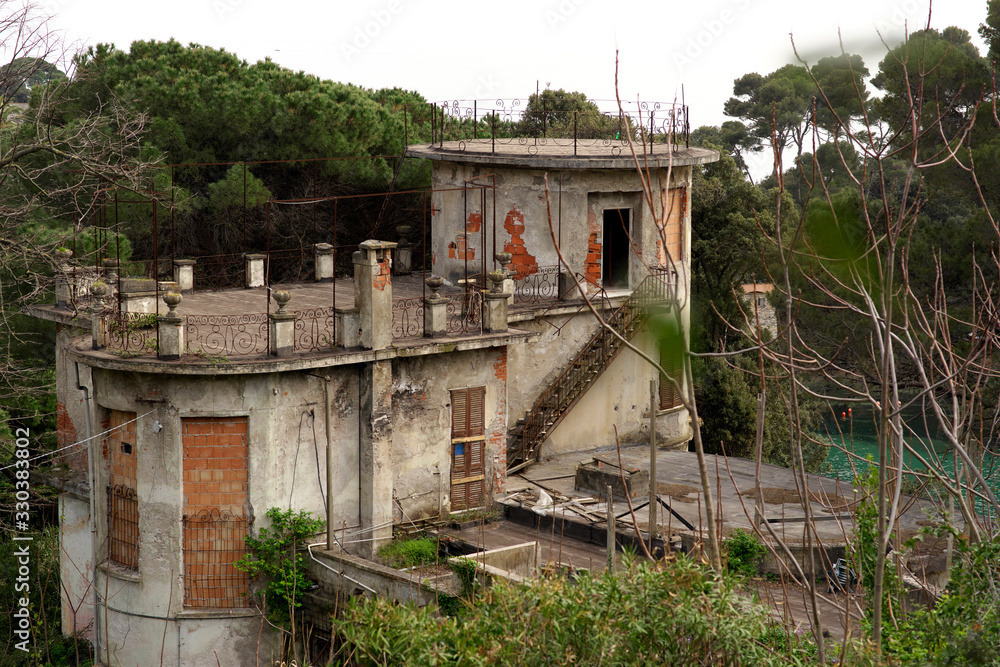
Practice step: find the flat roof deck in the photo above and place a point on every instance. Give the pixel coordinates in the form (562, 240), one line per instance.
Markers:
(562, 153)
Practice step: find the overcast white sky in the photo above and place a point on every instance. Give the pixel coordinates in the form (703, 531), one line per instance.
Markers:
(462, 49)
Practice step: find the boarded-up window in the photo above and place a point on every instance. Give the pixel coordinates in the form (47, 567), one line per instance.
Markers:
(123, 505)
(468, 437)
(216, 511)
(670, 360)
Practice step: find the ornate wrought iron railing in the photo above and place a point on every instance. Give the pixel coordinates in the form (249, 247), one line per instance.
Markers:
(569, 387)
(608, 126)
(407, 318)
(541, 285)
(132, 334)
(465, 312)
(225, 335)
(315, 329)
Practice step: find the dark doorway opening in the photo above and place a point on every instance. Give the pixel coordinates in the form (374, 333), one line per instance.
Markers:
(615, 250)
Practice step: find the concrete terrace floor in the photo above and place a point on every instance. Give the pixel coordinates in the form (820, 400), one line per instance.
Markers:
(732, 481)
(678, 479)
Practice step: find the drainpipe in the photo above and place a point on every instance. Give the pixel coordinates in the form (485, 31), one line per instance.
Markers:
(329, 465)
(91, 483)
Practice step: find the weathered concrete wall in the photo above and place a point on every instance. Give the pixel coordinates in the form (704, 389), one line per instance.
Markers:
(536, 365)
(75, 564)
(344, 573)
(71, 414)
(619, 397)
(462, 224)
(422, 426)
(286, 436)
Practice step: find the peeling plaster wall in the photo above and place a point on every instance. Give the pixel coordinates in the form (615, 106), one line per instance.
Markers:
(286, 436)
(71, 419)
(521, 219)
(421, 446)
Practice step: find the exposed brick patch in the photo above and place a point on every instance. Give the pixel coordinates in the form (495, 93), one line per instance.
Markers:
(592, 270)
(498, 437)
(459, 249)
(66, 433)
(474, 222)
(592, 264)
(523, 263)
(677, 203)
(382, 278)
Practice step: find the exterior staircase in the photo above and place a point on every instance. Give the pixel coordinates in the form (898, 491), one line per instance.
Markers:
(525, 439)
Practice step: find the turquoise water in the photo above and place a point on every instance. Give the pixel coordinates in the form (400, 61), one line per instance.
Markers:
(857, 433)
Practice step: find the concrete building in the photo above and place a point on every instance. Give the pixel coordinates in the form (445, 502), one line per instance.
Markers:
(759, 309)
(401, 406)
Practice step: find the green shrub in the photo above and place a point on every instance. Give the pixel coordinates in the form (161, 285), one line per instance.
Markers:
(410, 553)
(275, 557)
(744, 553)
(668, 613)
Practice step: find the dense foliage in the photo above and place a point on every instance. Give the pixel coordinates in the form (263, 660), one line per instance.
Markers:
(673, 612)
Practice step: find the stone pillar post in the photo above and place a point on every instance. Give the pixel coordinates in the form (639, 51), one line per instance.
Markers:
(376, 456)
(496, 304)
(282, 325)
(348, 327)
(373, 292)
(97, 325)
(171, 333)
(184, 274)
(110, 274)
(64, 277)
(323, 259)
(255, 270)
(435, 309)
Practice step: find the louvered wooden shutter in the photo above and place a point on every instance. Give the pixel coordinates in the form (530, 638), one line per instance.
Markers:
(477, 399)
(468, 428)
(669, 396)
(474, 493)
(468, 412)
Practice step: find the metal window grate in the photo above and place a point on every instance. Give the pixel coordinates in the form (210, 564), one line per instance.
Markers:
(213, 542)
(123, 502)
(123, 526)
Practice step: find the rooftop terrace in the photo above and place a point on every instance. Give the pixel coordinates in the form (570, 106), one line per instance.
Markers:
(228, 329)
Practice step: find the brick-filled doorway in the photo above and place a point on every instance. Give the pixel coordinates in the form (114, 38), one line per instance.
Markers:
(216, 511)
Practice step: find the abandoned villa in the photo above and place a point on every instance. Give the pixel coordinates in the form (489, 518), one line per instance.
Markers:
(400, 381)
